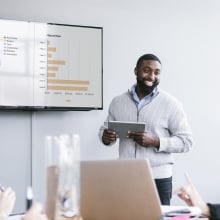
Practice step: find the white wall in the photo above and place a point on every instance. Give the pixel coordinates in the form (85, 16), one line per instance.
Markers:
(184, 34)
(15, 154)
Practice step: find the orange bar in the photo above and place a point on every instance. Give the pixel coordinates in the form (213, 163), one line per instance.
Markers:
(51, 74)
(58, 62)
(65, 81)
(49, 55)
(72, 88)
(51, 49)
(53, 68)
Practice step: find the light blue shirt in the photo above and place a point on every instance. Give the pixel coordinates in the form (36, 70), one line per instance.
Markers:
(140, 103)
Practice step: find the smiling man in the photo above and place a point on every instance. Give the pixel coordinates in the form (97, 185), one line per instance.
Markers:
(167, 130)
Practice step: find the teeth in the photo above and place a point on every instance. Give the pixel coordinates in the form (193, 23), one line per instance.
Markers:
(151, 82)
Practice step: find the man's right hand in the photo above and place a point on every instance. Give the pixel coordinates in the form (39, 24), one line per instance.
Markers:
(109, 136)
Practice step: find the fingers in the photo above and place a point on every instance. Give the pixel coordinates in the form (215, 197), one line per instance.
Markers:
(135, 135)
(187, 193)
(180, 191)
(9, 192)
(109, 132)
(109, 136)
(183, 193)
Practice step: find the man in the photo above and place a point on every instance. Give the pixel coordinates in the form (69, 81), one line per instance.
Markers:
(167, 130)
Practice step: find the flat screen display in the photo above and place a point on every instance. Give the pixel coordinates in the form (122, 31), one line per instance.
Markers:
(48, 66)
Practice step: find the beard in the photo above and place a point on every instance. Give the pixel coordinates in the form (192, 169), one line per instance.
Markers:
(144, 88)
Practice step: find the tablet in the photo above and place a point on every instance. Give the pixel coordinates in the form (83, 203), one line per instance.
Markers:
(122, 127)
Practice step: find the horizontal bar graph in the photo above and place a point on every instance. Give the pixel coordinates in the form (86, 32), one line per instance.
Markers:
(65, 81)
(58, 62)
(55, 79)
(51, 49)
(53, 68)
(51, 75)
(69, 88)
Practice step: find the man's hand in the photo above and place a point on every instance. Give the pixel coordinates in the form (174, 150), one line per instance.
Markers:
(145, 139)
(109, 136)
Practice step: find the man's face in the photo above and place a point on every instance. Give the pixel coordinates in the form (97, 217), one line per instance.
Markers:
(148, 75)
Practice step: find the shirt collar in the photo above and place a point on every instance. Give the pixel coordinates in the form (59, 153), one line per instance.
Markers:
(135, 96)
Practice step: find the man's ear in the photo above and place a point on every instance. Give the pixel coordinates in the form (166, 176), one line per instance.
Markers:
(135, 71)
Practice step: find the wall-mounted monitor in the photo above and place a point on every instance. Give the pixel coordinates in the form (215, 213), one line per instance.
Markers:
(48, 66)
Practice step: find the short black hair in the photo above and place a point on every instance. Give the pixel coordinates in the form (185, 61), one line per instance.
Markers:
(147, 57)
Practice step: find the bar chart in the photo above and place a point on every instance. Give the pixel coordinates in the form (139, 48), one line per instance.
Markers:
(55, 78)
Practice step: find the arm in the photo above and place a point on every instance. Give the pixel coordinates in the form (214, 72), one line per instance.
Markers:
(106, 136)
(179, 138)
(169, 132)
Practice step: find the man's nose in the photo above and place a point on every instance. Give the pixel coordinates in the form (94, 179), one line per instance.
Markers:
(152, 75)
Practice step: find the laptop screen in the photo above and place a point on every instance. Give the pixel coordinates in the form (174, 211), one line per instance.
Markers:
(118, 190)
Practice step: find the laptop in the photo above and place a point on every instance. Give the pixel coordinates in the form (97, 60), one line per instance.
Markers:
(118, 190)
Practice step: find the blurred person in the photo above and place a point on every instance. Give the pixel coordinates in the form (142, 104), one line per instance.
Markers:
(191, 197)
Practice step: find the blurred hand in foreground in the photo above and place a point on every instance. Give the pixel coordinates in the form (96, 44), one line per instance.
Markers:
(7, 200)
(191, 196)
(35, 213)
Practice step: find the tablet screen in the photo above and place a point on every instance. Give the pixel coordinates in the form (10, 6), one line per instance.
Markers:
(122, 127)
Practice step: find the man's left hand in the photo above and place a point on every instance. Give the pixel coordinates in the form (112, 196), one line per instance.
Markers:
(144, 139)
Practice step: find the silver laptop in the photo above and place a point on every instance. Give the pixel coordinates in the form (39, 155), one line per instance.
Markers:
(118, 190)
